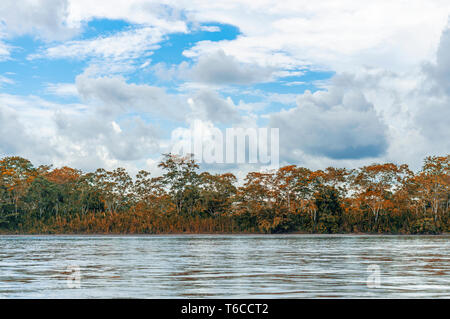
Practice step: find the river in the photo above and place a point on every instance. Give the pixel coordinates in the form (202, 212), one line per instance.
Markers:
(225, 266)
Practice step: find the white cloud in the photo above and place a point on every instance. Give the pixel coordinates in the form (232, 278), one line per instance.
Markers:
(5, 51)
(134, 140)
(45, 19)
(340, 35)
(9, 124)
(339, 124)
(5, 80)
(126, 45)
(210, 28)
(158, 14)
(439, 72)
(113, 95)
(295, 83)
(408, 119)
(145, 64)
(116, 127)
(385, 104)
(209, 105)
(62, 89)
(73, 135)
(26, 128)
(215, 69)
(220, 68)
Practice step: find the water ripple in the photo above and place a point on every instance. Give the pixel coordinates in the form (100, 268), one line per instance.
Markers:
(220, 266)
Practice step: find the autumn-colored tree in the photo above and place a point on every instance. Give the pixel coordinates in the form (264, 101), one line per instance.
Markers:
(255, 200)
(150, 194)
(432, 190)
(374, 185)
(385, 198)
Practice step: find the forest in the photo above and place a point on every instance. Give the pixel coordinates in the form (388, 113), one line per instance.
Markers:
(379, 198)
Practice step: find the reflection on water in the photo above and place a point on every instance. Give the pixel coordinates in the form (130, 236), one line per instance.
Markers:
(225, 266)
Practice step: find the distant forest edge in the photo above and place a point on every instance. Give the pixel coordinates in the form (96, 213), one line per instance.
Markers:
(380, 198)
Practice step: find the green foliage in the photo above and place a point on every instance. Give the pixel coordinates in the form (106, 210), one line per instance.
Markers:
(329, 210)
(425, 226)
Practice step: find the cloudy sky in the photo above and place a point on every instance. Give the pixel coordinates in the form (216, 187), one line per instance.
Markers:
(110, 83)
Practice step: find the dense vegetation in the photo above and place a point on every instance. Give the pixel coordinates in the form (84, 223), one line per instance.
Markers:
(380, 198)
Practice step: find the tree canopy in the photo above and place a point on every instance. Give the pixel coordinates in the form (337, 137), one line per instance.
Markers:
(379, 198)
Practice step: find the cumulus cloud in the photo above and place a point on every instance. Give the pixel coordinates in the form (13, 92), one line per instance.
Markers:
(26, 128)
(157, 14)
(394, 34)
(132, 140)
(434, 96)
(113, 95)
(209, 105)
(289, 35)
(46, 19)
(384, 105)
(439, 73)
(339, 124)
(74, 135)
(8, 124)
(372, 115)
(341, 37)
(220, 68)
(216, 69)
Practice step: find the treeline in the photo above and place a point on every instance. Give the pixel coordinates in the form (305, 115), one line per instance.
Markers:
(380, 198)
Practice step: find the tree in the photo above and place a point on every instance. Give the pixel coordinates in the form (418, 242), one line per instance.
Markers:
(217, 193)
(433, 185)
(43, 196)
(181, 180)
(374, 185)
(16, 175)
(329, 210)
(379, 197)
(115, 188)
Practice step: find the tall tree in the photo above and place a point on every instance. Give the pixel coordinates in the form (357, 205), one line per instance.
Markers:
(181, 180)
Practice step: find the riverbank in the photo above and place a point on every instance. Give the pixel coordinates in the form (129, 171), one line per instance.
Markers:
(6, 233)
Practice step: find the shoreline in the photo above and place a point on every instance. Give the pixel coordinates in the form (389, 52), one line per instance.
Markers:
(220, 234)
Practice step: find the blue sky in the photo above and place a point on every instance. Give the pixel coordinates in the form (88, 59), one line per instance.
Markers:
(90, 85)
(34, 76)
(31, 76)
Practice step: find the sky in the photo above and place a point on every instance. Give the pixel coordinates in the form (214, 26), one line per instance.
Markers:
(110, 84)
